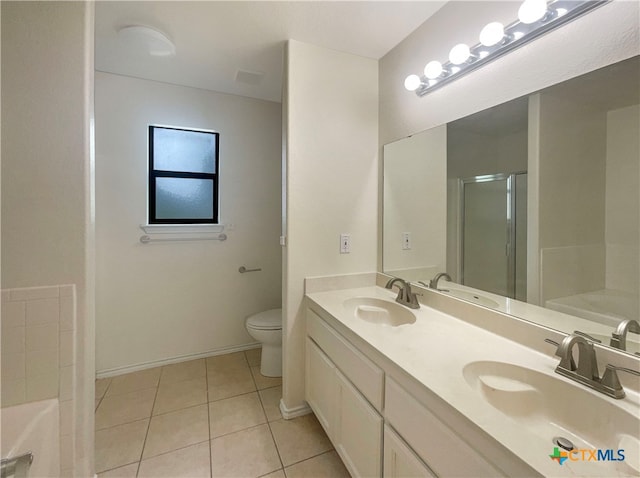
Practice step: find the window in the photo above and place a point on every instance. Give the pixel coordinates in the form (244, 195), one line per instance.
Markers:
(183, 176)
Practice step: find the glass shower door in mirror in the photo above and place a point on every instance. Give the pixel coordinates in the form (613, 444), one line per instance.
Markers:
(493, 239)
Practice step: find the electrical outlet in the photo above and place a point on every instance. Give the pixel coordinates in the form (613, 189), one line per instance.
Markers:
(345, 243)
(406, 241)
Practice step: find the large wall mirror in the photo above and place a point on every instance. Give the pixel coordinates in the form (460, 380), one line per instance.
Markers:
(542, 212)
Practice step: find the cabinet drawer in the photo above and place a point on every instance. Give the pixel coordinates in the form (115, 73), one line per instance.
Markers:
(444, 451)
(361, 371)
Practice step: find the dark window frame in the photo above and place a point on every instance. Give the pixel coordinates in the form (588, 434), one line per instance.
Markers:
(158, 173)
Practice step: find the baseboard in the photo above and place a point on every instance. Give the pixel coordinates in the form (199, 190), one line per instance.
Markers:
(112, 372)
(289, 413)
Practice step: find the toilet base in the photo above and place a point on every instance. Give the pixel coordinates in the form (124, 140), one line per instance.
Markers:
(271, 361)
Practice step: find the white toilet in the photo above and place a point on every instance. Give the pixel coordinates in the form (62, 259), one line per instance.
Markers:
(266, 327)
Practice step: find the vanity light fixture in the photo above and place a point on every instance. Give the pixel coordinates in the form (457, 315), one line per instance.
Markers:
(535, 18)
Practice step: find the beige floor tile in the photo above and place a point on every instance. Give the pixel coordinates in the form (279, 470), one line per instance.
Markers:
(253, 356)
(229, 383)
(275, 474)
(178, 372)
(263, 382)
(190, 462)
(327, 465)
(120, 445)
(234, 414)
(124, 408)
(177, 395)
(134, 381)
(270, 399)
(299, 438)
(102, 385)
(234, 361)
(128, 471)
(175, 430)
(249, 453)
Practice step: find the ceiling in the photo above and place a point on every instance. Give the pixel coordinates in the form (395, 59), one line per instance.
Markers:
(215, 40)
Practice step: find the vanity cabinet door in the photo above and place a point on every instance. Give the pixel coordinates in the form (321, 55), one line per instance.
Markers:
(446, 453)
(358, 431)
(320, 387)
(400, 461)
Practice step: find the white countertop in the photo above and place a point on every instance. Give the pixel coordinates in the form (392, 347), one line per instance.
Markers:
(434, 351)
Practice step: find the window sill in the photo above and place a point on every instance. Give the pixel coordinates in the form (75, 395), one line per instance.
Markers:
(182, 228)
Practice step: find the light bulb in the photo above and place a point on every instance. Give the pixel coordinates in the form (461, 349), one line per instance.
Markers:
(532, 10)
(492, 33)
(412, 82)
(459, 54)
(433, 70)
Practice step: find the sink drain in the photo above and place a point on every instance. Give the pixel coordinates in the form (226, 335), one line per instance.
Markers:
(563, 443)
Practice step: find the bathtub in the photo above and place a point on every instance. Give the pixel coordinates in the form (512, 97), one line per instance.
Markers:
(606, 306)
(33, 427)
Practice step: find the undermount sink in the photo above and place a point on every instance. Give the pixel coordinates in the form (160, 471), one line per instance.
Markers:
(472, 297)
(551, 407)
(379, 311)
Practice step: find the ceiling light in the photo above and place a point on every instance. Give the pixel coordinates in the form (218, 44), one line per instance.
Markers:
(459, 54)
(492, 34)
(147, 40)
(532, 10)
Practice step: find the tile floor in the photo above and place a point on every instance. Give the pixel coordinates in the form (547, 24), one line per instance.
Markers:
(214, 417)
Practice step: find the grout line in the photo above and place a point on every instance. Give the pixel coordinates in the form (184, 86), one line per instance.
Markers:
(206, 378)
(111, 469)
(314, 456)
(144, 443)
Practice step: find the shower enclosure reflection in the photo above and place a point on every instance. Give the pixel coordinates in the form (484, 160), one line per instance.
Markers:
(494, 240)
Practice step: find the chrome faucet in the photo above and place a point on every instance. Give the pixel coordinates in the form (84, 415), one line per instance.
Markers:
(619, 337)
(405, 296)
(433, 283)
(586, 372)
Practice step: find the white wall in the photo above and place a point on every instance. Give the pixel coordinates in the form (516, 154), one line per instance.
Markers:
(623, 200)
(47, 230)
(571, 196)
(604, 36)
(163, 301)
(331, 117)
(415, 172)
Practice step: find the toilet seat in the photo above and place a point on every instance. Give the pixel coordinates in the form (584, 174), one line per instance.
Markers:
(266, 320)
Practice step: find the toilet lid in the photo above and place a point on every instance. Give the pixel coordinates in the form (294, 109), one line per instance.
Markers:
(267, 320)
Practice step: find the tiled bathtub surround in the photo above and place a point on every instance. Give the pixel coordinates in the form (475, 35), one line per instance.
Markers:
(38, 354)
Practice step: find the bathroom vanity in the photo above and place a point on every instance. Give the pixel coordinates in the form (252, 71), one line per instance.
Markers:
(404, 392)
